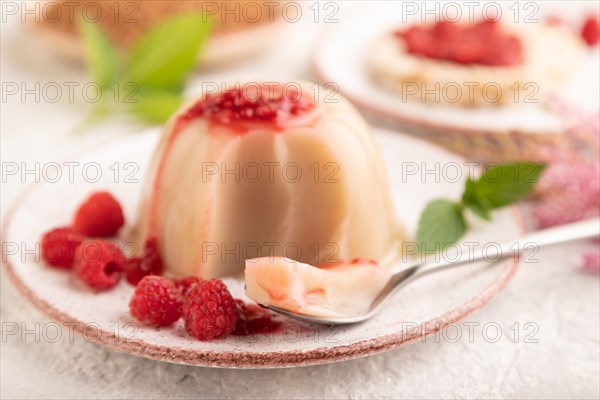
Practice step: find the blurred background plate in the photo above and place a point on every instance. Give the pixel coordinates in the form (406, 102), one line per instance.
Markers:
(485, 133)
(231, 37)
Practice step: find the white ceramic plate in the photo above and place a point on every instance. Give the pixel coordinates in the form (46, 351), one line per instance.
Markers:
(430, 304)
(341, 57)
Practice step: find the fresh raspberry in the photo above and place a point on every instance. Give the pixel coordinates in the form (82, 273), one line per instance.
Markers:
(186, 284)
(149, 264)
(152, 261)
(133, 270)
(156, 301)
(209, 311)
(100, 215)
(590, 31)
(99, 263)
(58, 246)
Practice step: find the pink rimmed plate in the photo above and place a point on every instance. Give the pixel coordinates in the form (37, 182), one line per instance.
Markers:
(421, 309)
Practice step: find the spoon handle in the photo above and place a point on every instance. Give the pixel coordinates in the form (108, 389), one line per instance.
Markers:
(565, 233)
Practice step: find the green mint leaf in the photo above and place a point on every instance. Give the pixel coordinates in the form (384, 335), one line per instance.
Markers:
(156, 107)
(478, 206)
(504, 184)
(441, 223)
(164, 55)
(479, 210)
(101, 57)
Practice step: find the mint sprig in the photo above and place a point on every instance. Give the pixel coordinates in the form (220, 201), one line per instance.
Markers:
(102, 59)
(157, 106)
(442, 222)
(165, 54)
(157, 64)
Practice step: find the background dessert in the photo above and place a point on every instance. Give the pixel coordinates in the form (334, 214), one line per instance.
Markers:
(259, 170)
(475, 64)
(240, 27)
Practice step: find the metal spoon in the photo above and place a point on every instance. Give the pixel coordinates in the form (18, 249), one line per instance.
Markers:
(565, 233)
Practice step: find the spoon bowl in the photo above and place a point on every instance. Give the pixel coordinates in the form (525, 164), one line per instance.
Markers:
(405, 274)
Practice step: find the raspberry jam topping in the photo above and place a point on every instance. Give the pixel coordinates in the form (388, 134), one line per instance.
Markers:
(478, 43)
(246, 106)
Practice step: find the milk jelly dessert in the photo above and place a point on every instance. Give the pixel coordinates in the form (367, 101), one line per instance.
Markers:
(267, 169)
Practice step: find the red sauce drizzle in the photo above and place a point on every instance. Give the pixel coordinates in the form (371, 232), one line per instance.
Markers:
(253, 319)
(354, 261)
(483, 43)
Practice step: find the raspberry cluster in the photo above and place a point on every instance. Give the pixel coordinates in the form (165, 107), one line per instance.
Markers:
(208, 309)
(97, 262)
